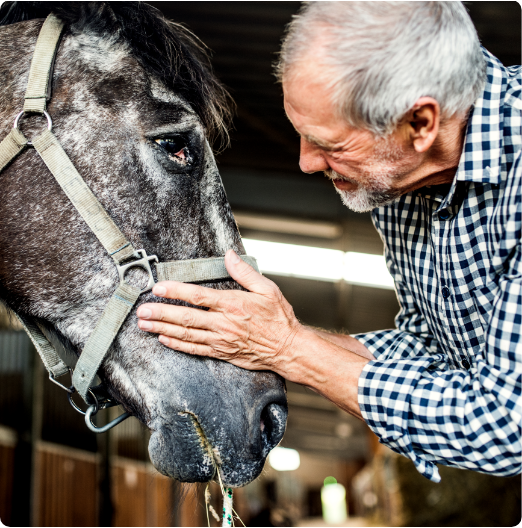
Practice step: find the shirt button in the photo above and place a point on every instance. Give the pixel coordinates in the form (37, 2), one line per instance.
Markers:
(444, 214)
(465, 364)
(445, 292)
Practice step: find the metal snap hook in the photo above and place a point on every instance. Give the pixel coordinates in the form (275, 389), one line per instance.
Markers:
(92, 410)
(48, 117)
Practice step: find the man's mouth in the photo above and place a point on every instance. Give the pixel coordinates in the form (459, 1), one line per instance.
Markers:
(345, 185)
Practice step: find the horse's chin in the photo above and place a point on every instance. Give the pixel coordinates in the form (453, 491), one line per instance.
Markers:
(178, 452)
(182, 452)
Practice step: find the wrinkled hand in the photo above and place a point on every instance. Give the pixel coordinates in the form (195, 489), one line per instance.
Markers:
(253, 330)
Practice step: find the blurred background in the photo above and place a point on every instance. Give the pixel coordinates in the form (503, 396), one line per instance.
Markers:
(330, 469)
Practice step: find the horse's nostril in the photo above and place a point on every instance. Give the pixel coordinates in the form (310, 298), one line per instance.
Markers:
(272, 426)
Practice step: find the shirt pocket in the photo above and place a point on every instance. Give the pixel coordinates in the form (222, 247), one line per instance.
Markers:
(483, 300)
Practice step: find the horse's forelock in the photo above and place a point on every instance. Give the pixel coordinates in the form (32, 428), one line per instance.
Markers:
(166, 50)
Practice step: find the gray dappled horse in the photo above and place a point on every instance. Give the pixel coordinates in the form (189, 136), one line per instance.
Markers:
(133, 105)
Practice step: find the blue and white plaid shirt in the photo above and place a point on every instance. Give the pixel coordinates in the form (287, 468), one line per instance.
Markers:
(446, 384)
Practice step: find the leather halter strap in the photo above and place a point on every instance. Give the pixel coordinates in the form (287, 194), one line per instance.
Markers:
(110, 236)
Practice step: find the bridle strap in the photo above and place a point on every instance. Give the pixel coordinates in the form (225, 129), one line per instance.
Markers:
(11, 146)
(101, 338)
(50, 358)
(197, 270)
(38, 90)
(100, 223)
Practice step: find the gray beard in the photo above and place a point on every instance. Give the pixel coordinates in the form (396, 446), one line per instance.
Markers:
(366, 198)
(377, 189)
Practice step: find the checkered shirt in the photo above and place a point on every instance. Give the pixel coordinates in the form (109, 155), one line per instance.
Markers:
(445, 385)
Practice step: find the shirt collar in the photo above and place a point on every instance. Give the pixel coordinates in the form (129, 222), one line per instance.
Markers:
(481, 156)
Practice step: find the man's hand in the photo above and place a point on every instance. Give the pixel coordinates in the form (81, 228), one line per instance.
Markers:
(257, 330)
(253, 330)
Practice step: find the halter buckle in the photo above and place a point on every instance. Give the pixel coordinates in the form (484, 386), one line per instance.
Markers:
(144, 263)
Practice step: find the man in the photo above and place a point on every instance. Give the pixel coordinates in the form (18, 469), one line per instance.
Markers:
(398, 104)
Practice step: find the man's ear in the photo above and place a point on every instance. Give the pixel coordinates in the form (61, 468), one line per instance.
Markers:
(423, 122)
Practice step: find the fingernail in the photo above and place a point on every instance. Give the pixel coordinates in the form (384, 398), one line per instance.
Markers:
(163, 339)
(160, 291)
(145, 325)
(235, 259)
(144, 313)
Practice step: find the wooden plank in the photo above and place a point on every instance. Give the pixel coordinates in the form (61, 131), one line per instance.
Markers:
(191, 506)
(129, 490)
(66, 487)
(143, 497)
(162, 501)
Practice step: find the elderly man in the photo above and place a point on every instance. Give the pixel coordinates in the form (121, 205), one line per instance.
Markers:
(400, 107)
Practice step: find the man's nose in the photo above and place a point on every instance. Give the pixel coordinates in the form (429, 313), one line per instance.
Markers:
(311, 158)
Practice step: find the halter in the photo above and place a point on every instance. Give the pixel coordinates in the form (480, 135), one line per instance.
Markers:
(123, 253)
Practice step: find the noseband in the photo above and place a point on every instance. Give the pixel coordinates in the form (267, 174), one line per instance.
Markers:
(121, 250)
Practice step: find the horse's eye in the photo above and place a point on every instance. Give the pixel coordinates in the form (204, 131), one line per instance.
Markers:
(173, 146)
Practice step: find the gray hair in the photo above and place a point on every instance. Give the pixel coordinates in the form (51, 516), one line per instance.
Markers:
(381, 57)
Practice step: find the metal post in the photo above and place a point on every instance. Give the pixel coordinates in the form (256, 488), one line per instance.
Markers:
(37, 419)
(24, 511)
(344, 305)
(105, 505)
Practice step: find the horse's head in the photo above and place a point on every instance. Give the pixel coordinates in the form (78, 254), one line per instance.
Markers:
(133, 104)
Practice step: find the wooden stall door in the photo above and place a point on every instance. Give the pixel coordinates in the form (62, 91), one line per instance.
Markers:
(141, 496)
(66, 487)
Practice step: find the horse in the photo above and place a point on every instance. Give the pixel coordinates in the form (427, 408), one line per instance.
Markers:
(136, 107)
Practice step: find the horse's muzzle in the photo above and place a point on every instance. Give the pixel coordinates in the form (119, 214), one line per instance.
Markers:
(233, 438)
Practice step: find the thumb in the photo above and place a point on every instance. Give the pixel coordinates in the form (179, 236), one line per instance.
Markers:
(245, 274)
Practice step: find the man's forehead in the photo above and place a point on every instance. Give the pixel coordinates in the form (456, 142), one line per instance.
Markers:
(321, 128)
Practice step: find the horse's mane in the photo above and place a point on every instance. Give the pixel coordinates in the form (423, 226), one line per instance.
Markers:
(163, 48)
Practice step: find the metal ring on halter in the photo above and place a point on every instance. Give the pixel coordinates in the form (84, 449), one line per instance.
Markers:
(71, 389)
(48, 117)
(76, 408)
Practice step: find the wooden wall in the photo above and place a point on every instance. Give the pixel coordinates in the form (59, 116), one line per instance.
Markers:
(141, 496)
(66, 484)
(67, 490)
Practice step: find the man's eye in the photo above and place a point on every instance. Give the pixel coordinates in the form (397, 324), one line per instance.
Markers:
(174, 147)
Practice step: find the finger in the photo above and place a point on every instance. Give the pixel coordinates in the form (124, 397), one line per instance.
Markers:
(188, 348)
(192, 335)
(191, 293)
(178, 315)
(246, 275)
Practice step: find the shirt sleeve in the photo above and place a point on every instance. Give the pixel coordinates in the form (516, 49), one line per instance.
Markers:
(424, 410)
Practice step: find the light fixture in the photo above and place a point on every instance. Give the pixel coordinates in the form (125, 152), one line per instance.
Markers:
(274, 224)
(333, 499)
(284, 459)
(316, 263)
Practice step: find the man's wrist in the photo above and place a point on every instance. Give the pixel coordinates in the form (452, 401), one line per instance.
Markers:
(325, 367)
(310, 358)
(345, 341)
